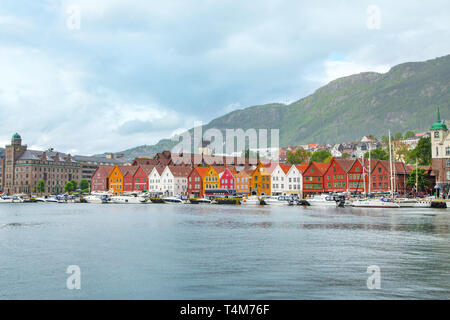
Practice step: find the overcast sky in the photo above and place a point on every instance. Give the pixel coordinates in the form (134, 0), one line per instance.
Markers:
(124, 73)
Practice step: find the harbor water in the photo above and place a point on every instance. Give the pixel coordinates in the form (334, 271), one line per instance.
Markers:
(164, 251)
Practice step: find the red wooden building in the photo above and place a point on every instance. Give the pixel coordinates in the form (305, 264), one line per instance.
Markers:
(227, 179)
(140, 180)
(335, 178)
(128, 173)
(195, 182)
(99, 179)
(313, 178)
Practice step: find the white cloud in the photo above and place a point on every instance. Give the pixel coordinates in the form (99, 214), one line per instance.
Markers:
(136, 72)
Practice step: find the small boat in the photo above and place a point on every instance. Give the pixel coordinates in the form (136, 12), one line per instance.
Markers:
(406, 202)
(234, 201)
(52, 199)
(278, 201)
(10, 199)
(375, 203)
(252, 200)
(174, 200)
(93, 199)
(323, 200)
(128, 199)
(199, 201)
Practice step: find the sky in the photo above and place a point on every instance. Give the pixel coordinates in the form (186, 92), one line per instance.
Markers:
(89, 77)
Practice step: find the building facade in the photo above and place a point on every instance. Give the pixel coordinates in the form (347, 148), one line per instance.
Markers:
(440, 153)
(23, 169)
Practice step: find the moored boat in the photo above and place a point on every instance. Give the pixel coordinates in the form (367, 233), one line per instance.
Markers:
(199, 201)
(323, 200)
(375, 203)
(252, 200)
(278, 201)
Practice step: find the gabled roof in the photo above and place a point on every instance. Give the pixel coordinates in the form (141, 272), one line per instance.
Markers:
(345, 164)
(285, 167)
(128, 170)
(180, 171)
(323, 167)
(202, 171)
(302, 167)
(148, 169)
(219, 169)
(104, 171)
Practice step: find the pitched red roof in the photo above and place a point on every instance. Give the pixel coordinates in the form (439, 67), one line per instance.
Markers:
(104, 170)
(302, 166)
(345, 164)
(180, 171)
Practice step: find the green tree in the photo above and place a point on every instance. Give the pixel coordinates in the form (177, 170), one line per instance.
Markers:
(84, 184)
(380, 154)
(40, 187)
(321, 156)
(68, 187)
(297, 157)
(422, 153)
(398, 136)
(422, 180)
(75, 184)
(409, 134)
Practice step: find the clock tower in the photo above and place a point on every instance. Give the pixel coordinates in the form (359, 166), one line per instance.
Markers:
(12, 152)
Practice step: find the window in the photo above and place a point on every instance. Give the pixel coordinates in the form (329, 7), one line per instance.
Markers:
(436, 134)
(448, 175)
(437, 151)
(448, 163)
(447, 151)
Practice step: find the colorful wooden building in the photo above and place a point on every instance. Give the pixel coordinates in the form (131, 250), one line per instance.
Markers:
(336, 175)
(100, 178)
(313, 182)
(260, 180)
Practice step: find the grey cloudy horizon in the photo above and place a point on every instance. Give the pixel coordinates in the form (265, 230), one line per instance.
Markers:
(134, 72)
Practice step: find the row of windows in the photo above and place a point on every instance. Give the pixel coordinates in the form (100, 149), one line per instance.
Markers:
(316, 186)
(339, 176)
(309, 179)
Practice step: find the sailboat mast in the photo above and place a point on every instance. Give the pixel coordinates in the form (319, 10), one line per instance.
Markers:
(370, 167)
(417, 179)
(390, 165)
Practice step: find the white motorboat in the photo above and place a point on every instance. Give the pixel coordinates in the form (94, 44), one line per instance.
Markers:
(199, 201)
(323, 200)
(93, 199)
(174, 200)
(406, 202)
(277, 201)
(52, 199)
(128, 199)
(252, 200)
(422, 204)
(10, 199)
(375, 203)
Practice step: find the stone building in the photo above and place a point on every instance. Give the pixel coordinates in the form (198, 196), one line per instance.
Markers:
(440, 152)
(23, 169)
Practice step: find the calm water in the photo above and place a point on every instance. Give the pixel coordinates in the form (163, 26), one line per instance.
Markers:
(222, 252)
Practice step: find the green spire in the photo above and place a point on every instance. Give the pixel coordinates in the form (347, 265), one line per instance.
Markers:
(439, 125)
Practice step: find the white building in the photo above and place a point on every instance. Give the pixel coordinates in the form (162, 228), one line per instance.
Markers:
(294, 182)
(278, 178)
(154, 180)
(169, 180)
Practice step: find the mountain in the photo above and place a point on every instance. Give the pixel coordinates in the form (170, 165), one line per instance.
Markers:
(406, 97)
